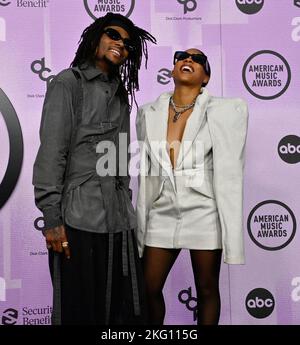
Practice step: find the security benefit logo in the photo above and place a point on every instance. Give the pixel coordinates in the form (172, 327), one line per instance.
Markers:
(9, 316)
(271, 225)
(266, 74)
(260, 303)
(186, 298)
(164, 76)
(28, 315)
(99, 8)
(15, 159)
(289, 149)
(26, 3)
(249, 6)
(36, 316)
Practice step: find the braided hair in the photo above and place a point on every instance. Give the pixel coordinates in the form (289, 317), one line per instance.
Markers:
(128, 71)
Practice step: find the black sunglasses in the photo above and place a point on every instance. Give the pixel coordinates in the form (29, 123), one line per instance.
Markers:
(198, 58)
(115, 35)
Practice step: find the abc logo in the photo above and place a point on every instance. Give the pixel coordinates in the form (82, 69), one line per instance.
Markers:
(260, 303)
(289, 149)
(249, 6)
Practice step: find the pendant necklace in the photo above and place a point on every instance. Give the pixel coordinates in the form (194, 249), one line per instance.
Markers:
(183, 107)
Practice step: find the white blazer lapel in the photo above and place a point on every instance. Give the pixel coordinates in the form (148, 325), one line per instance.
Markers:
(192, 126)
(156, 118)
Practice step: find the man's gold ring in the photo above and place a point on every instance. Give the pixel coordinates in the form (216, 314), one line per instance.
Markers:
(65, 244)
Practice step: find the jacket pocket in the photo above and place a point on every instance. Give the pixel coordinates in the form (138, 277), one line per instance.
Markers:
(208, 192)
(205, 188)
(84, 204)
(157, 202)
(202, 183)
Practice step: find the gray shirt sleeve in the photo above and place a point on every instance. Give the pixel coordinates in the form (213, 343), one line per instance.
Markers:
(50, 164)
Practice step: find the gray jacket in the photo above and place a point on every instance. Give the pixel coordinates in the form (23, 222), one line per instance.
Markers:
(67, 188)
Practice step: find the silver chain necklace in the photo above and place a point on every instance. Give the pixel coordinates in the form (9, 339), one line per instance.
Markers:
(184, 108)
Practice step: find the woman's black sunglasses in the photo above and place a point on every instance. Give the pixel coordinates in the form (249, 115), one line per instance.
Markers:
(198, 58)
(115, 35)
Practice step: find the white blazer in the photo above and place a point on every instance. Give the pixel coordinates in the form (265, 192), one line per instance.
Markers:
(227, 120)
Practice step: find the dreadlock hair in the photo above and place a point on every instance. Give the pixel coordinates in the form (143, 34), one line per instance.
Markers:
(128, 71)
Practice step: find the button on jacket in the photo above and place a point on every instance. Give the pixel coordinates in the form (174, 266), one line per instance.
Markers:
(67, 186)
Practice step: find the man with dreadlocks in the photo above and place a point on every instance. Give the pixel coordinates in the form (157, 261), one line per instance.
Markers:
(88, 215)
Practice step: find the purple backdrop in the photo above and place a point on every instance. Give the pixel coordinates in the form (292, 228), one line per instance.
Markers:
(253, 47)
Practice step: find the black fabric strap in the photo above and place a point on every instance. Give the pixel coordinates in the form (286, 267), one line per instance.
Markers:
(77, 105)
(56, 312)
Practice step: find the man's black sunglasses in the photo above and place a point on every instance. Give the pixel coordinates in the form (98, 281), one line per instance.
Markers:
(115, 35)
(198, 58)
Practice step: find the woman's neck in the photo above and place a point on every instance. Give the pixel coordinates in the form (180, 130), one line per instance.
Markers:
(185, 94)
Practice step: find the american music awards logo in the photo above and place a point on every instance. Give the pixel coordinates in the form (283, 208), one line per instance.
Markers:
(99, 8)
(271, 225)
(266, 74)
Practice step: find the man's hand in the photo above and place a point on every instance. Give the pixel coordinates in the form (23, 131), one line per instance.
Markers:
(56, 239)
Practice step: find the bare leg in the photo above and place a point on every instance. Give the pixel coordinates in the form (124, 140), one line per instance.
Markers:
(157, 264)
(206, 267)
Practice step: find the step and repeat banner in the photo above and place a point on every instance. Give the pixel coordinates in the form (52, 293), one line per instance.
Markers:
(254, 51)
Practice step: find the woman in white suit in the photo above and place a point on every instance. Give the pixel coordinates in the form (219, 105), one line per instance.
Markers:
(190, 184)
